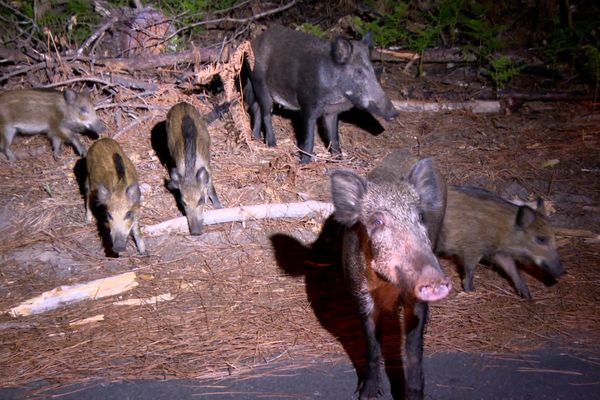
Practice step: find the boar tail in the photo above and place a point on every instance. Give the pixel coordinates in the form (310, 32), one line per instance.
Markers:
(188, 128)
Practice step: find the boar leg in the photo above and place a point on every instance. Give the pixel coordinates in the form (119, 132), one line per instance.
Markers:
(265, 102)
(212, 194)
(81, 151)
(6, 138)
(469, 263)
(139, 240)
(307, 140)
(508, 265)
(56, 143)
(88, 202)
(256, 119)
(330, 123)
(415, 318)
(369, 386)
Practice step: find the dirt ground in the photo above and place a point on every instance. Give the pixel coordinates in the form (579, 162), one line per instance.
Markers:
(242, 295)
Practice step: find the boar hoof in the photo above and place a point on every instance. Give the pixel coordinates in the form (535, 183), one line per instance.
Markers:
(370, 390)
(524, 293)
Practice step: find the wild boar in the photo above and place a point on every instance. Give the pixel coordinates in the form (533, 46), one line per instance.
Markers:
(189, 146)
(480, 225)
(319, 78)
(387, 255)
(112, 183)
(59, 114)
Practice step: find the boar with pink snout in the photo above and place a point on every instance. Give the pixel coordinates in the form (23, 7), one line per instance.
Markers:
(391, 222)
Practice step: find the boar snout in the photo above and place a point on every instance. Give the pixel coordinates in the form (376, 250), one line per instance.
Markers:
(383, 108)
(119, 243)
(553, 267)
(432, 285)
(195, 222)
(98, 127)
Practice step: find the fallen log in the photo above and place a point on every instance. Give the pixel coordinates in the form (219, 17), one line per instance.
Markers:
(67, 294)
(245, 213)
(475, 106)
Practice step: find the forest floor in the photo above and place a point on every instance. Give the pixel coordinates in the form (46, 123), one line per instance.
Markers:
(242, 295)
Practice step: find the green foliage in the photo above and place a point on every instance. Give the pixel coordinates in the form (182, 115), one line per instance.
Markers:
(502, 71)
(188, 12)
(485, 37)
(592, 67)
(592, 64)
(71, 20)
(307, 27)
(386, 31)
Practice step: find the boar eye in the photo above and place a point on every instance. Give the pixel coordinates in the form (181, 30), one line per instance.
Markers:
(129, 215)
(83, 110)
(541, 240)
(377, 221)
(109, 216)
(422, 217)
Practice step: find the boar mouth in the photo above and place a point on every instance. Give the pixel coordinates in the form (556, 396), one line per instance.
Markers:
(433, 291)
(388, 112)
(553, 268)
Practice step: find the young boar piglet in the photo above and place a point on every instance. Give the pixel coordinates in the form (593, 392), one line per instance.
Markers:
(112, 183)
(319, 78)
(189, 147)
(59, 114)
(480, 225)
(387, 256)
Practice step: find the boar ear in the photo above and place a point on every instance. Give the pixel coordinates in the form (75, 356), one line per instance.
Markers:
(70, 96)
(202, 176)
(541, 207)
(429, 184)
(102, 194)
(133, 192)
(175, 179)
(341, 50)
(347, 192)
(525, 217)
(368, 39)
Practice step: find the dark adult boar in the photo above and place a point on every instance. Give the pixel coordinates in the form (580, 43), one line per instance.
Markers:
(112, 182)
(480, 225)
(189, 147)
(387, 255)
(59, 114)
(319, 78)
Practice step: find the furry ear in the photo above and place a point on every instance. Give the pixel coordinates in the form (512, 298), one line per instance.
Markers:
(202, 176)
(133, 192)
(541, 207)
(70, 96)
(525, 217)
(368, 39)
(175, 180)
(341, 50)
(347, 193)
(102, 195)
(431, 187)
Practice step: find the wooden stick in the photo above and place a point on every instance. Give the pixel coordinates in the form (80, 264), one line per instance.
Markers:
(66, 294)
(244, 213)
(475, 106)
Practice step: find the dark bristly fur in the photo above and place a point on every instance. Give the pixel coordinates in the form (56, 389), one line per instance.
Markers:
(112, 182)
(387, 256)
(479, 225)
(189, 147)
(58, 114)
(319, 78)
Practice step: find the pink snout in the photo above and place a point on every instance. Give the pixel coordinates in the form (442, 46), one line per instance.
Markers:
(432, 286)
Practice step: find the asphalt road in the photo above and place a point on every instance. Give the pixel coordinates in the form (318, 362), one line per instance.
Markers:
(542, 375)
